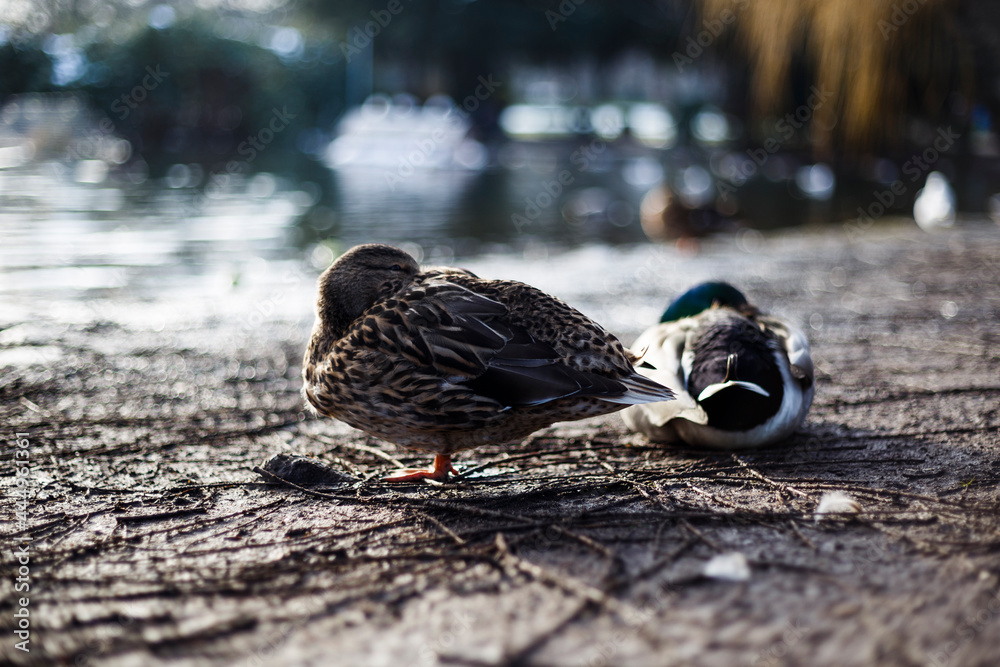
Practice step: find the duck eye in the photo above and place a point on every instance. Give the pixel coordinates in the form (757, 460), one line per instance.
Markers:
(396, 267)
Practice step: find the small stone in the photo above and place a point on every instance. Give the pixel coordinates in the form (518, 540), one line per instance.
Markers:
(728, 567)
(303, 471)
(837, 502)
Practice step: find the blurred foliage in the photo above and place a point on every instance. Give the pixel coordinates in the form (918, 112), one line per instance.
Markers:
(212, 95)
(226, 78)
(468, 39)
(883, 61)
(23, 69)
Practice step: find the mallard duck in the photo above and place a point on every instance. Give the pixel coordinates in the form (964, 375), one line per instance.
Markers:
(442, 361)
(666, 215)
(743, 379)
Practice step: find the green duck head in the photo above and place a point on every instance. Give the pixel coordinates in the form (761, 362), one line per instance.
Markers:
(702, 297)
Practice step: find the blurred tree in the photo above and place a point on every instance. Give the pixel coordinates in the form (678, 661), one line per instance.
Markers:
(183, 94)
(461, 40)
(882, 61)
(23, 67)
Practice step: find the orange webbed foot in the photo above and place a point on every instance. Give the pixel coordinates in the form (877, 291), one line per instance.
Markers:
(438, 472)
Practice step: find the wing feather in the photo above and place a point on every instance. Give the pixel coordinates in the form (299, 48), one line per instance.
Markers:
(468, 338)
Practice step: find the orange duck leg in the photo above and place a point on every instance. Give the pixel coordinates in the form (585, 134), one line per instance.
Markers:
(439, 471)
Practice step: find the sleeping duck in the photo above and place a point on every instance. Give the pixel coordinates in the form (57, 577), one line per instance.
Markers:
(742, 379)
(439, 360)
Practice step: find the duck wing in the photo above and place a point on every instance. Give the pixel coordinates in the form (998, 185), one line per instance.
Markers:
(468, 339)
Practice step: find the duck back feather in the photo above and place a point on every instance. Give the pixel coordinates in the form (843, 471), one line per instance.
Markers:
(734, 374)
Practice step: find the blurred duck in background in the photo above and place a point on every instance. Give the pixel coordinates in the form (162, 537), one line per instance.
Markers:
(742, 379)
(682, 213)
(934, 206)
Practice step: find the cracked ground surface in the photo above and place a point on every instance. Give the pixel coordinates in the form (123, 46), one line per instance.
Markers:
(153, 540)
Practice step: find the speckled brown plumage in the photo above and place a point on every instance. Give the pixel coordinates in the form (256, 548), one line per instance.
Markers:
(440, 360)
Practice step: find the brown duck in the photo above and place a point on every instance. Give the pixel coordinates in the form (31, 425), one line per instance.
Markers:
(440, 360)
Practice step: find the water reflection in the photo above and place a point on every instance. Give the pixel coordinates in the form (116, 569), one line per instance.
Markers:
(400, 138)
(86, 227)
(61, 234)
(410, 173)
(418, 208)
(77, 216)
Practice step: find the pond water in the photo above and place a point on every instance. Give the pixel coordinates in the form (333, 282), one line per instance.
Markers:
(172, 258)
(83, 230)
(64, 231)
